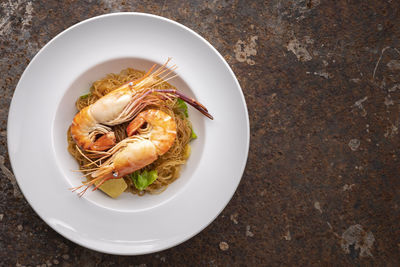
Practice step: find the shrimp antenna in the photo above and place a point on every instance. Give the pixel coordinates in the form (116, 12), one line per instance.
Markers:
(194, 103)
(87, 184)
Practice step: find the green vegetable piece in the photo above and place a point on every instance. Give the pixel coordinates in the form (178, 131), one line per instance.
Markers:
(193, 135)
(144, 179)
(183, 107)
(85, 96)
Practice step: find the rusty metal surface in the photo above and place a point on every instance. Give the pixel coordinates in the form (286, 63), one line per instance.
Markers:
(322, 83)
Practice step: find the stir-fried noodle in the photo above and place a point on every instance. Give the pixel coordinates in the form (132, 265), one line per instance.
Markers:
(168, 165)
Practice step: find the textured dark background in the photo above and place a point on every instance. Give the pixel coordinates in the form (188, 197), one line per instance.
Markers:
(322, 84)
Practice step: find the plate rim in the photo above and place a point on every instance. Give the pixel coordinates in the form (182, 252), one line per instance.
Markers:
(12, 110)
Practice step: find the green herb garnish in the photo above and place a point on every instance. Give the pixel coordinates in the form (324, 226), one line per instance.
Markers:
(85, 96)
(182, 107)
(193, 135)
(143, 179)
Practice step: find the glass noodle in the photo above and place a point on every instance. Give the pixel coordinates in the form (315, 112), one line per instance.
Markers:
(168, 165)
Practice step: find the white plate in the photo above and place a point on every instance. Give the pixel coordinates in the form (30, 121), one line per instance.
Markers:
(43, 107)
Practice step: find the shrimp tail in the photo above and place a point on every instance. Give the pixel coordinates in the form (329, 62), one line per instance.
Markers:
(134, 126)
(105, 142)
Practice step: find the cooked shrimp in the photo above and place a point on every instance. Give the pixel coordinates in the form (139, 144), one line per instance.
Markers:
(90, 126)
(157, 126)
(150, 135)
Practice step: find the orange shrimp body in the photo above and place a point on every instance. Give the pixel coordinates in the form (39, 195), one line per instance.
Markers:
(90, 127)
(151, 134)
(90, 122)
(159, 127)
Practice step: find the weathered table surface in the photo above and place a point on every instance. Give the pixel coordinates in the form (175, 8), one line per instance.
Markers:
(322, 84)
